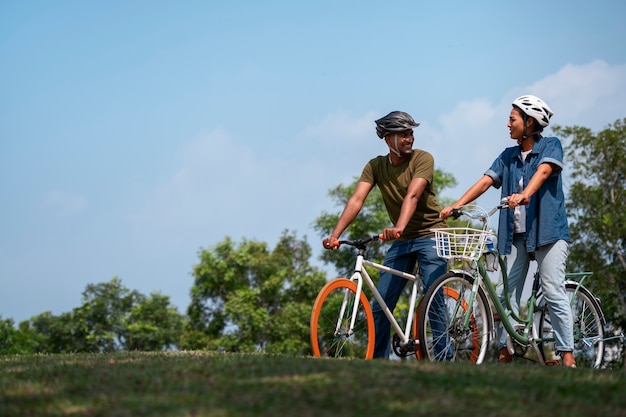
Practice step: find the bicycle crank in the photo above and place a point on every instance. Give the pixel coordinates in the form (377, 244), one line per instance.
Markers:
(403, 351)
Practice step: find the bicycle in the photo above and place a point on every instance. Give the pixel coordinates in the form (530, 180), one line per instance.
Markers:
(342, 323)
(469, 320)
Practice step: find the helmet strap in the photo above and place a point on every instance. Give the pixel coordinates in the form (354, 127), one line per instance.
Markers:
(530, 135)
(395, 147)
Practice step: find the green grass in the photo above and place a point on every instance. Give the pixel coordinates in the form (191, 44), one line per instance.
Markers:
(219, 384)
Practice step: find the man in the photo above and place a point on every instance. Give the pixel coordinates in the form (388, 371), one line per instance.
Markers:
(404, 177)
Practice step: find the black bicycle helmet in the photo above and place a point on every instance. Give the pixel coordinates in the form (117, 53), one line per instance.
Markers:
(396, 121)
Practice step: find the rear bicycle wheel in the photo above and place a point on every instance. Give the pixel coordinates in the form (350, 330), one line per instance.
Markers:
(444, 334)
(589, 325)
(330, 322)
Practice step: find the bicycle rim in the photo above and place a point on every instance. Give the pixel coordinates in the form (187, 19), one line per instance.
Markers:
(447, 292)
(588, 329)
(444, 336)
(329, 341)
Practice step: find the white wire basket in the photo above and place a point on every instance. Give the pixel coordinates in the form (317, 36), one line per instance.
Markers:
(460, 242)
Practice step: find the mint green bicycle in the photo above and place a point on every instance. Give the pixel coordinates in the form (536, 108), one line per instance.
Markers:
(469, 317)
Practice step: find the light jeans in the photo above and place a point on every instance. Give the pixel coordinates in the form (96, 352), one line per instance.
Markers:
(403, 256)
(551, 260)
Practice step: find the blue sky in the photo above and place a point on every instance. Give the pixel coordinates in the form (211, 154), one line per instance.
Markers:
(135, 133)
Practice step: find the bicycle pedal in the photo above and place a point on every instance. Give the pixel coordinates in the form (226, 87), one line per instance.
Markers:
(552, 362)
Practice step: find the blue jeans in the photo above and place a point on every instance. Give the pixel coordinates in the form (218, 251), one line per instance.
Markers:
(551, 260)
(403, 255)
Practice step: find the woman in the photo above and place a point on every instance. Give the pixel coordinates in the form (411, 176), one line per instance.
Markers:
(536, 225)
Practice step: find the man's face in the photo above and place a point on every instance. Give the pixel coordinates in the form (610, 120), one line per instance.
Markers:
(404, 144)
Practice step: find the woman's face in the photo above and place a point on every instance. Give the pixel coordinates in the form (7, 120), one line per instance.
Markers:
(516, 124)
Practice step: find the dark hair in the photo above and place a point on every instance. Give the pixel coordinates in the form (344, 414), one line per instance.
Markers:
(536, 126)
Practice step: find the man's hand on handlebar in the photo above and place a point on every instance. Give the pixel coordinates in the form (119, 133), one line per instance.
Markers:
(330, 242)
(391, 233)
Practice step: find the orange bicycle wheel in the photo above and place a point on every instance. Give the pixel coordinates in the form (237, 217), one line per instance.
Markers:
(331, 319)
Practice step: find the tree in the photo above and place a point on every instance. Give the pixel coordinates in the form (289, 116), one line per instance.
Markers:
(152, 324)
(65, 333)
(105, 306)
(112, 317)
(16, 341)
(248, 298)
(597, 209)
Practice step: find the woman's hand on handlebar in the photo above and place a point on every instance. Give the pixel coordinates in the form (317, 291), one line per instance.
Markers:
(446, 212)
(330, 242)
(518, 200)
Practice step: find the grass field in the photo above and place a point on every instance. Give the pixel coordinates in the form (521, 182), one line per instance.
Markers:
(219, 384)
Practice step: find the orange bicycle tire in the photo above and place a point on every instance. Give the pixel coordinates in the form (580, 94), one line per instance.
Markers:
(324, 317)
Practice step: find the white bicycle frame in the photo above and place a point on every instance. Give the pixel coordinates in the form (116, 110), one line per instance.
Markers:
(360, 275)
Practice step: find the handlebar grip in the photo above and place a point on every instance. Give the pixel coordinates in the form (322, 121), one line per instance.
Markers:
(382, 237)
(332, 244)
(455, 213)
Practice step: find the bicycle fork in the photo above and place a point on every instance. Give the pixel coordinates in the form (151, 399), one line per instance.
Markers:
(357, 278)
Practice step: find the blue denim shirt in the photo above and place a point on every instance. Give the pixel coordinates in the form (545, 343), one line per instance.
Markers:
(546, 219)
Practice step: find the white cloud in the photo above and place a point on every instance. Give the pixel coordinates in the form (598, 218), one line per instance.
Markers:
(339, 128)
(224, 186)
(591, 95)
(64, 203)
(476, 114)
(471, 135)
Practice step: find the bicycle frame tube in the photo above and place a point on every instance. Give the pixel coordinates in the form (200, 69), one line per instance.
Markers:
(506, 313)
(362, 273)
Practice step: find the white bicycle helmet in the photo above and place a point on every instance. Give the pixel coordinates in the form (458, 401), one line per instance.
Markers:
(534, 107)
(396, 121)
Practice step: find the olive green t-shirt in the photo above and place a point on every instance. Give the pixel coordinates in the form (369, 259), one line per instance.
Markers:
(393, 182)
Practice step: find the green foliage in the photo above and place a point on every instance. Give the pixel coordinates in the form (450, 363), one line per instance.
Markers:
(111, 318)
(247, 297)
(16, 341)
(371, 220)
(104, 308)
(152, 324)
(597, 208)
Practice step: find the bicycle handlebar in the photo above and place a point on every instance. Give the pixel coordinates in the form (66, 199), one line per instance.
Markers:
(481, 215)
(362, 243)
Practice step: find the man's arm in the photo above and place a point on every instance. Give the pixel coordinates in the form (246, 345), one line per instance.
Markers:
(350, 211)
(409, 205)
